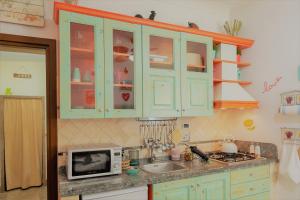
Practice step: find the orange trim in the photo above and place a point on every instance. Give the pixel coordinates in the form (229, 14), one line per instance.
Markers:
(232, 81)
(236, 104)
(217, 37)
(239, 64)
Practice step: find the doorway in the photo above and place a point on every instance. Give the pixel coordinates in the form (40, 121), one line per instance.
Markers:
(28, 98)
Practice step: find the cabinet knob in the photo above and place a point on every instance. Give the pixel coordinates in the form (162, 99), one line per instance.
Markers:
(198, 185)
(250, 174)
(183, 110)
(106, 110)
(100, 110)
(177, 110)
(251, 189)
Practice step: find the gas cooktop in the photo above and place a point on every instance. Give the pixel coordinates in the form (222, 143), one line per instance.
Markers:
(232, 158)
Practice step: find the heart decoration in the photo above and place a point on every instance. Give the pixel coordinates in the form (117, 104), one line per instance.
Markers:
(125, 96)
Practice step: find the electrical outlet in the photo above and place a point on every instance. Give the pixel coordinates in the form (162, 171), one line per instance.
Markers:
(186, 136)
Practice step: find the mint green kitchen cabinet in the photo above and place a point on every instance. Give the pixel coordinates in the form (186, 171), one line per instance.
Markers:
(114, 69)
(213, 187)
(81, 66)
(196, 75)
(161, 73)
(175, 190)
(100, 67)
(209, 187)
(123, 69)
(251, 183)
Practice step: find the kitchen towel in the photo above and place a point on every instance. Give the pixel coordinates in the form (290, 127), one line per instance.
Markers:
(285, 157)
(294, 164)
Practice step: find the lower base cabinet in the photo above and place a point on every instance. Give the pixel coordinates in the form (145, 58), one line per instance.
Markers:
(251, 183)
(209, 187)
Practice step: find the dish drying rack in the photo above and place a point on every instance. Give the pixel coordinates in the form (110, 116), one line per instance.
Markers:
(157, 133)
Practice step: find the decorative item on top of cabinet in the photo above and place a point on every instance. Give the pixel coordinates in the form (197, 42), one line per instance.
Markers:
(193, 25)
(233, 28)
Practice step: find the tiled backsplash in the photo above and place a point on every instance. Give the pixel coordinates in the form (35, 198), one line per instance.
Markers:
(125, 132)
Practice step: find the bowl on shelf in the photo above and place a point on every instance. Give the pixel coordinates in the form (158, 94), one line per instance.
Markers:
(194, 59)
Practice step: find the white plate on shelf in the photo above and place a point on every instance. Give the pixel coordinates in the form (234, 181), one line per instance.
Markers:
(158, 58)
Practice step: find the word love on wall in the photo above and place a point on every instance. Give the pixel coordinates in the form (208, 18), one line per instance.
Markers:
(28, 12)
(269, 86)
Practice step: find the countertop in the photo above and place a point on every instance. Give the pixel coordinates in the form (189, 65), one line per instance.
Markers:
(117, 182)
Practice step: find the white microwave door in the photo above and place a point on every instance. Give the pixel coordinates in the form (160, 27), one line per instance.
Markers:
(91, 162)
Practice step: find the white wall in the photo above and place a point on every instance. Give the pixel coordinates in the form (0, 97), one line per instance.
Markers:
(16, 62)
(275, 27)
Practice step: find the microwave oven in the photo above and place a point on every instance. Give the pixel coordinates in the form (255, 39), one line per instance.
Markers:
(94, 161)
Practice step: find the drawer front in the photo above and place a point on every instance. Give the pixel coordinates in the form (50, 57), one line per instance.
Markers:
(250, 188)
(261, 196)
(250, 174)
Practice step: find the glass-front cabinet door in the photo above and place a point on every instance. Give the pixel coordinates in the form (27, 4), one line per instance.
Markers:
(161, 73)
(196, 75)
(123, 69)
(81, 66)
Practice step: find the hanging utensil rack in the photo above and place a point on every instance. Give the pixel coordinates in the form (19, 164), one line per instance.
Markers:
(157, 132)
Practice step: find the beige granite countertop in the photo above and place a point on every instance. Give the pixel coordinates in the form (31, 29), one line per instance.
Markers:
(117, 182)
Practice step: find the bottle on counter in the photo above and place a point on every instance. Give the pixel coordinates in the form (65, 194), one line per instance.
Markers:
(252, 149)
(257, 151)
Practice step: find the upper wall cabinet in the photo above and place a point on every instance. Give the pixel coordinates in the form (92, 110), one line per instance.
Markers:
(113, 69)
(100, 67)
(161, 73)
(123, 69)
(81, 66)
(196, 75)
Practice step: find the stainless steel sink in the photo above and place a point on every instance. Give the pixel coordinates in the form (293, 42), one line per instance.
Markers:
(159, 168)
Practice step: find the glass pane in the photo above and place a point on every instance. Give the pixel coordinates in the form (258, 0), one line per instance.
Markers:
(196, 57)
(123, 69)
(161, 52)
(82, 66)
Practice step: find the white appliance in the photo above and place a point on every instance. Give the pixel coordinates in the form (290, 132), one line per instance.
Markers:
(93, 161)
(138, 193)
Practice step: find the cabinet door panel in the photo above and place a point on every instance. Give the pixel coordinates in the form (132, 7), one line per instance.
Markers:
(81, 66)
(161, 73)
(123, 72)
(175, 190)
(196, 75)
(213, 187)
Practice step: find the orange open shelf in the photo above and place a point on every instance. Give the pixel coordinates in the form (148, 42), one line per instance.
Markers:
(241, 43)
(239, 64)
(243, 83)
(235, 104)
